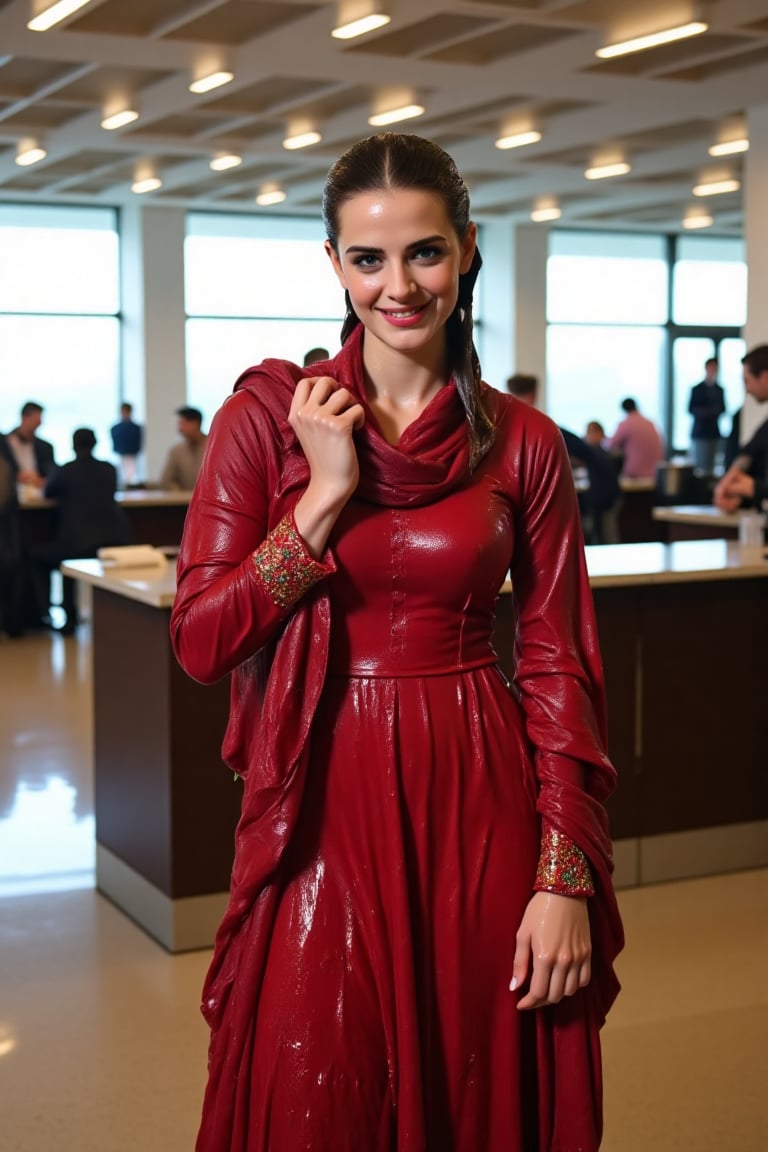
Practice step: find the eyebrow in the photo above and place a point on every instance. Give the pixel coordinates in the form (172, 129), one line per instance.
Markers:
(378, 251)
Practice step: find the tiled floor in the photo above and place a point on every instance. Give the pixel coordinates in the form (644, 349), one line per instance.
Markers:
(101, 1045)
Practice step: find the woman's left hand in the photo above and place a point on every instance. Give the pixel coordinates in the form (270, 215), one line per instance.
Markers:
(553, 947)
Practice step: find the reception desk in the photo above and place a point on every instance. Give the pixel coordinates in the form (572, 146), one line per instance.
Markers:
(696, 522)
(156, 516)
(684, 635)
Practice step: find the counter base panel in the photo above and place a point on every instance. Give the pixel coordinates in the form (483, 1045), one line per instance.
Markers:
(182, 925)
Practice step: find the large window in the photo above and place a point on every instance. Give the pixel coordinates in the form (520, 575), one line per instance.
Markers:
(254, 287)
(59, 320)
(606, 307)
(637, 315)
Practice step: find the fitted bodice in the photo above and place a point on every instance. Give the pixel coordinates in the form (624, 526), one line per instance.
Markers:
(416, 588)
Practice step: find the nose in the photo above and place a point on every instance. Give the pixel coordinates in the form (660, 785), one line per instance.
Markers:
(400, 284)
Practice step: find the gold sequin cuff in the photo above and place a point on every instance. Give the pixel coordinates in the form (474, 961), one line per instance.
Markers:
(283, 565)
(563, 867)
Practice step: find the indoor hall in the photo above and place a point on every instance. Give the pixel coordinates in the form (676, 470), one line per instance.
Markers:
(133, 211)
(103, 1047)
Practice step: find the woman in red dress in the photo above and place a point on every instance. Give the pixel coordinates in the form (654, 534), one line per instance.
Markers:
(417, 952)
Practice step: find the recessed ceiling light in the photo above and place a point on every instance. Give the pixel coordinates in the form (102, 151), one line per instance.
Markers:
(716, 187)
(543, 214)
(55, 14)
(301, 140)
(604, 171)
(147, 184)
(729, 147)
(225, 161)
(360, 26)
(270, 196)
(406, 112)
(697, 220)
(518, 139)
(29, 152)
(211, 81)
(119, 119)
(652, 40)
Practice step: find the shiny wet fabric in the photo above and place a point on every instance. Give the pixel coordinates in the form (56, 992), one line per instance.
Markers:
(394, 789)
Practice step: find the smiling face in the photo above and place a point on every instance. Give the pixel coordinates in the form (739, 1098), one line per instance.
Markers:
(399, 258)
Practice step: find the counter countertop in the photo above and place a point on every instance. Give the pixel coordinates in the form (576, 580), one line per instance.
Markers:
(133, 498)
(154, 586)
(610, 565)
(697, 514)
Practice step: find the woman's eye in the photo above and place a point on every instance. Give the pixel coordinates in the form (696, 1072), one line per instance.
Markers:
(428, 253)
(366, 260)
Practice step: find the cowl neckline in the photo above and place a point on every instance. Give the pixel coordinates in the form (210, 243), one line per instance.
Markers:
(430, 459)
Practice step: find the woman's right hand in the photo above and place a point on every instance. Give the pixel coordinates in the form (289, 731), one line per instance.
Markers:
(324, 416)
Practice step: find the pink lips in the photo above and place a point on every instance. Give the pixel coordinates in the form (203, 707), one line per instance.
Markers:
(404, 319)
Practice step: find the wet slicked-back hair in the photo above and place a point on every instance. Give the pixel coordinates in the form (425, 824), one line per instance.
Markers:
(393, 160)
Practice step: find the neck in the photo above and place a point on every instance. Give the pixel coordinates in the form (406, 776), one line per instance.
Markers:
(402, 380)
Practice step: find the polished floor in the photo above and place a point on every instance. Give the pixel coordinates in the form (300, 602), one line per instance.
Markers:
(102, 1048)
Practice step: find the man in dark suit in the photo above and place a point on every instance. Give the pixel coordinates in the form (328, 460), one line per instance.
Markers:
(89, 518)
(706, 405)
(33, 455)
(745, 484)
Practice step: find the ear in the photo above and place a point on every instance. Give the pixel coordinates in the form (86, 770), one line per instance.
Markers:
(468, 245)
(336, 262)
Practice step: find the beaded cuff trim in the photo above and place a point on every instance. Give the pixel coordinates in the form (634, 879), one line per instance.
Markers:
(563, 867)
(284, 568)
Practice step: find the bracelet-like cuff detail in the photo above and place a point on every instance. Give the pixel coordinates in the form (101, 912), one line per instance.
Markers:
(284, 567)
(563, 867)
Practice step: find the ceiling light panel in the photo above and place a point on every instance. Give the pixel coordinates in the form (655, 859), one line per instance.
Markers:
(652, 40)
(54, 14)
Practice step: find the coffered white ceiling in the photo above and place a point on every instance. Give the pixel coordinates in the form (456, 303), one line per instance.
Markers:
(479, 67)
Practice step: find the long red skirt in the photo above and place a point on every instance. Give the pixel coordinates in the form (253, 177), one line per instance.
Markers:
(385, 1021)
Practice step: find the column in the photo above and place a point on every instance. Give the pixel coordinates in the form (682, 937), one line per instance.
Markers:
(530, 278)
(154, 359)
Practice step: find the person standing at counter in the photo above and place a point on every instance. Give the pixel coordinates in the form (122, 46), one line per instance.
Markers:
(11, 565)
(706, 405)
(127, 439)
(746, 481)
(185, 459)
(34, 456)
(418, 948)
(88, 518)
(639, 441)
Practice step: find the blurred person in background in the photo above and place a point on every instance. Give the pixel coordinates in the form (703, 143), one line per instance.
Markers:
(34, 456)
(706, 405)
(184, 460)
(315, 356)
(127, 440)
(11, 615)
(88, 519)
(639, 441)
(745, 484)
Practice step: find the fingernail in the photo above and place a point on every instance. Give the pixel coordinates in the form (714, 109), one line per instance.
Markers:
(513, 984)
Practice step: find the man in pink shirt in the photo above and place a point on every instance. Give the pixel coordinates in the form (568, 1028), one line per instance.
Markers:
(639, 441)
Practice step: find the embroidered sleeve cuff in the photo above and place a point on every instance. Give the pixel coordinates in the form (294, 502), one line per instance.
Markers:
(283, 565)
(563, 867)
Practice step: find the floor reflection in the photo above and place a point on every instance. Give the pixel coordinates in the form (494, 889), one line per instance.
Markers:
(46, 846)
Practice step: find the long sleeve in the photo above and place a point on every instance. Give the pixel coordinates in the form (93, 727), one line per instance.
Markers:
(237, 581)
(558, 667)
